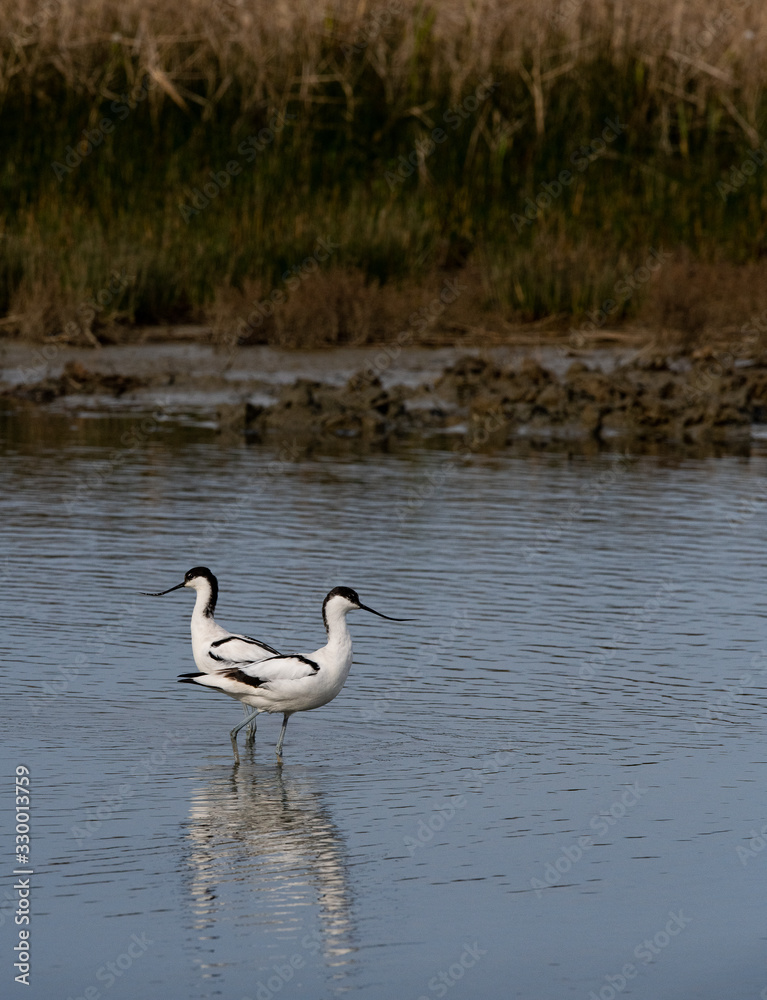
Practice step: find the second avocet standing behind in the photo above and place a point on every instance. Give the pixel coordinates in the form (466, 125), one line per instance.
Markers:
(294, 683)
(213, 648)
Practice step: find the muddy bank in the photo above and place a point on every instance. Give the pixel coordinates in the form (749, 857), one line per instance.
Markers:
(641, 401)
(76, 379)
(649, 402)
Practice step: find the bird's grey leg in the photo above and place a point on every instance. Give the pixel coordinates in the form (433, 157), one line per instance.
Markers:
(250, 732)
(236, 730)
(285, 718)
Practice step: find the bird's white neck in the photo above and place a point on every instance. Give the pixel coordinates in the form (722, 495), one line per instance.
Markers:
(339, 639)
(205, 604)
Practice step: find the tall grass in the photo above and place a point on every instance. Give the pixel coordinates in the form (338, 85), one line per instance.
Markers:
(337, 96)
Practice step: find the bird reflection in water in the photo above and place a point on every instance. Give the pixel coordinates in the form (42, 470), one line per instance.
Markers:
(265, 856)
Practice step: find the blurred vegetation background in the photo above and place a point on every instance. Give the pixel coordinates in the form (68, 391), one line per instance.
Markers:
(177, 162)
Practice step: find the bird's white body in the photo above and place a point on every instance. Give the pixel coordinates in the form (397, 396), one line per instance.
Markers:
(285, 684)
(292, 683)
(213, 648)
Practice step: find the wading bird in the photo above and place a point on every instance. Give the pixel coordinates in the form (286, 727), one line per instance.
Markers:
(213, 647)
(294, 683)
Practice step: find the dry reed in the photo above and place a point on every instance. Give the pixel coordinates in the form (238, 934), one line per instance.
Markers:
(362, 83)
(308, 54)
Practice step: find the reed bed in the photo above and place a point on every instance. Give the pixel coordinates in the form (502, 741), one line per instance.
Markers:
(180, 161)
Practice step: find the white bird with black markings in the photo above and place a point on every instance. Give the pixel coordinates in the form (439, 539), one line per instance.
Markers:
(294, 683)
(213, 648)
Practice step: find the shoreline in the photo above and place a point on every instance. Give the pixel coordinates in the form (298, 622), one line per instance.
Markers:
(630, 397)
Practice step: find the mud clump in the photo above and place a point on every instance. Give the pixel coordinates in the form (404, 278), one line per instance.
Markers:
(361, 410)
(707, 402)
(649, 402)
(76, 379)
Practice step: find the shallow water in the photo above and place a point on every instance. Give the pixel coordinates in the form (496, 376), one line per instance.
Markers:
(548, 785)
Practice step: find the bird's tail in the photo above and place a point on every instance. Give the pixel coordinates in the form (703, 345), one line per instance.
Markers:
(234, 682)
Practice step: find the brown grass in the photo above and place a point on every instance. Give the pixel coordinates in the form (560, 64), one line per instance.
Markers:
(697, 303)
(298, 51)
(353, 73)
(688, 304)
(340, 307)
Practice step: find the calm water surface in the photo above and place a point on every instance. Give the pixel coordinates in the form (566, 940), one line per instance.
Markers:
(548, 785)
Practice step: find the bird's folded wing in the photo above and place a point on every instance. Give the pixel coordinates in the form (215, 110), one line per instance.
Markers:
(281, 668)
(239, 649)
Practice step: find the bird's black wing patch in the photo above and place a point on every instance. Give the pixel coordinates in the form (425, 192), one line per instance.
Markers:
(240, 675)
(305, 659)
(223, 659)
(245, 638)
(188, 678)
(293, 656)
(263, 645)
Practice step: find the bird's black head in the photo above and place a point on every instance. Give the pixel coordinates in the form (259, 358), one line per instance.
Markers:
(348, 600)
(351, 595)
(199, 571)
(196, 579)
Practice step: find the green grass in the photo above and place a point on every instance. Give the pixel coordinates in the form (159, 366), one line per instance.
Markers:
(325, 174)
